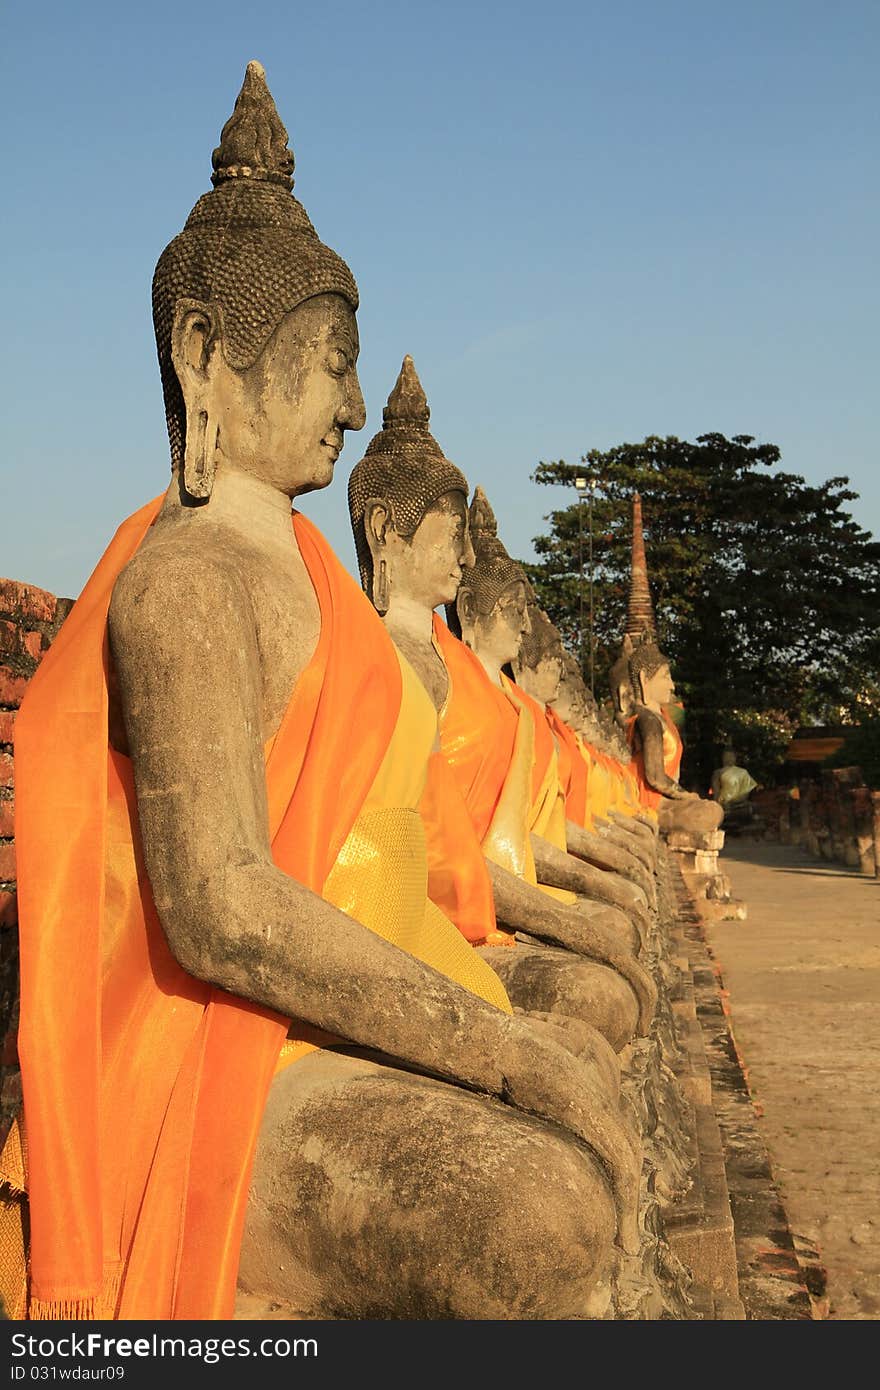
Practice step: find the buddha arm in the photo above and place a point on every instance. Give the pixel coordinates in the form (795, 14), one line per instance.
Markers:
(560, 870)
(651, 734)
(520, 906)
(192, 699)
(606, 852)
(616, 830)
(596, 934)
(636, 825)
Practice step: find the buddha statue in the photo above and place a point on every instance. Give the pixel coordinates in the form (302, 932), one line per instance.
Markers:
(652, 734)
(254, 1054)
(408, 509)
(612, 796)
(731, 784)
(610, 845)
(556, 842)
(657, 747)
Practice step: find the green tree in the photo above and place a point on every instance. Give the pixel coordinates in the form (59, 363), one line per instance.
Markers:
(766, 591)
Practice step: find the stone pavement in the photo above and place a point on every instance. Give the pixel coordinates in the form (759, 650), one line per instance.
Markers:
(803, 975)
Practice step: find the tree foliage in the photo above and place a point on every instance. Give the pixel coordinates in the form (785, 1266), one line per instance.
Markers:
(861, 748)
(766, 591)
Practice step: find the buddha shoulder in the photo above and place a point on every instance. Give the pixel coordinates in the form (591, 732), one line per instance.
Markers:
(649, 724)
(166, 594)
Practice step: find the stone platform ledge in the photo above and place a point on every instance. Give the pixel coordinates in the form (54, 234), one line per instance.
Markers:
(777, 1280)
(722, 909)
(700, 1228)
(709, 890)
(688, 840)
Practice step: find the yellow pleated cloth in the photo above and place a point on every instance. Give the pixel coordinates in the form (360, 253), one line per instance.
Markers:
(381, 874)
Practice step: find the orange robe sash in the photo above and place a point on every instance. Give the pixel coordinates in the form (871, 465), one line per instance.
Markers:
(573, 769)
(458, 880)
(672, 753)
(547, 813)
(137, 1196)
(478, 730)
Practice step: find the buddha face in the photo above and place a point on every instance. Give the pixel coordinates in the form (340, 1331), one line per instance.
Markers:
(542, 681)
(659, 688)
(497, 637)
(284, 418)
(425, 568)
(621, 691)
(568, 704)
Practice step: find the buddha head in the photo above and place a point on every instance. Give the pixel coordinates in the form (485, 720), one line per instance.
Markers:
(255, 321)
(576, 704)
(650, 677)
(569, 700)
(408, 507)
(492, 607)
(538, 665)
(620, 682)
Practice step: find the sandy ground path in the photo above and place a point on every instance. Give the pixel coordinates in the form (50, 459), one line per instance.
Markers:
(803, 974)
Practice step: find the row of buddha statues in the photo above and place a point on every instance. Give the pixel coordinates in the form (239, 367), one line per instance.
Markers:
(338, 921)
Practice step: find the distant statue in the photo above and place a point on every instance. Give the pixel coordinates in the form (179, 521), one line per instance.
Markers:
(652, 733)
(590, 831)
(610, 794)
(730, 783)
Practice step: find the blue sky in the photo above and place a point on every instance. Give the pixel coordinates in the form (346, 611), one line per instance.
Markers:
(587, 222)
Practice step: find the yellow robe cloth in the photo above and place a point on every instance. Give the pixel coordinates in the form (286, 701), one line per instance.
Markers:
(381, 873)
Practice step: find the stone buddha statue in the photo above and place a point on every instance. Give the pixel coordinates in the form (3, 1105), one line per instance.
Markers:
(615, 800)
(305, 1084)
(408, 508)
(612, 845)
(651, 732)
(498, 584)
(657, 746)
(731, 784)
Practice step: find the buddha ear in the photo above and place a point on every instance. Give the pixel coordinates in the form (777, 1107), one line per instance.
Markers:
(466, 607)
(194, 344)
(378, 521)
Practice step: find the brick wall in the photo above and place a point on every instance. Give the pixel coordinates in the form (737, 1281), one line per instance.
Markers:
(833, 818)
(29, 621)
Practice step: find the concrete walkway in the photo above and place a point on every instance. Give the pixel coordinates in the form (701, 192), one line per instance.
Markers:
(803, 972)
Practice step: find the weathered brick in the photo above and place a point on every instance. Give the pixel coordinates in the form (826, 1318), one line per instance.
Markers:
(12, 687)
(7, 818)
(26, 601)
(7, 861)
(8, 909)
(10, 1089)
(12, 644)
(7, 775)
(7, 720)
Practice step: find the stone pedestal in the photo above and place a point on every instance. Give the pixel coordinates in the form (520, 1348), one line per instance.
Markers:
(697, 857)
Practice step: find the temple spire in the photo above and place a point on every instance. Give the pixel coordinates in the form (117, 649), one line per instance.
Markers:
(640, 614)
(407, 400)
(253, 143)
(481, 516)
